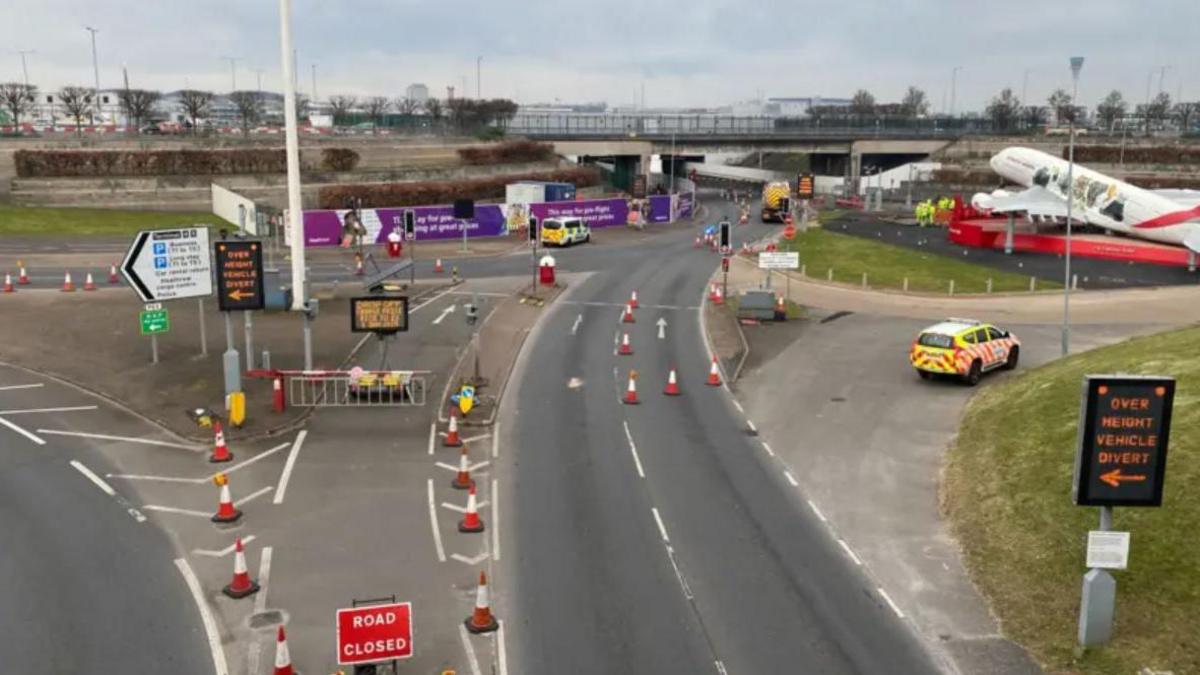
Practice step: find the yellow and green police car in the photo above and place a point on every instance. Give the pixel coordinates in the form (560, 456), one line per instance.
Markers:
(964, 348)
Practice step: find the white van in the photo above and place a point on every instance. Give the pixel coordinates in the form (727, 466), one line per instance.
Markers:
(565, 231)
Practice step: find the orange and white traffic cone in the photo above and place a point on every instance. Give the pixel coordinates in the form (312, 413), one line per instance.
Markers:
(471, 521)
(242, 585)
(220, 451)
(697, 243)
(780, 308)
(626, 348)
(627, 317)
(8, 284)
(462, 480)
(717, 299)
(89, 284)
(112, 275)
(283, 660)
(68, 286)
(712, 292)
(672, 385)
(22, 277)
(452, 440)
(714, 374)
(631, 391)
(226, 511)
(437, 266)
(633, 300)
(481, 620)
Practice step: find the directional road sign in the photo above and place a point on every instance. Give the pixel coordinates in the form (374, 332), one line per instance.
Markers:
(374, 633)
(154, 321)
(1123, 429)
(239, 275)
(169, 264)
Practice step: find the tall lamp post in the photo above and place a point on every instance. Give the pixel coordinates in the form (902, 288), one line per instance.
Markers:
(1076, 66)
(96, 72)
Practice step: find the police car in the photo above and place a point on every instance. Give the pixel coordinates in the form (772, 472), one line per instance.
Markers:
(565, 231)
(964, 348)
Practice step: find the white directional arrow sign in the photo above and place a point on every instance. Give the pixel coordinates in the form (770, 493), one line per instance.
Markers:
(662, 328)
(169, 264)
(445, 312)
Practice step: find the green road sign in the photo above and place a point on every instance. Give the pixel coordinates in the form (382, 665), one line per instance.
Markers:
(154, 321)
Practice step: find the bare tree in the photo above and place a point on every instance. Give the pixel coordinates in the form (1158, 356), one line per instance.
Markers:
(915, 103)
(1158, 110)
(1185, 113)
(1035, 115)
(249, 107)
(1111, 109)
(1004, 110)
(302, 107)
(377, 107)
(862, 103)
(195, 104)
(406, 106)
(138, 104)
(1062, 106)
(17, 98)
(341, 106)
(433, 108)
(77, 101)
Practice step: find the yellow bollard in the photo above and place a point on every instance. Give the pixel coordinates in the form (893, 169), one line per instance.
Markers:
(236, 402)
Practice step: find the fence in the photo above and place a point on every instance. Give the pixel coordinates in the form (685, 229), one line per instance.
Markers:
(357, 389)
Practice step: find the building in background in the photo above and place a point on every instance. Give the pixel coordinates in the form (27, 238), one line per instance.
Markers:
(417, 92)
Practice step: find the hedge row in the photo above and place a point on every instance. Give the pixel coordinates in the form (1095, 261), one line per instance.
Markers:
(989, 180)
(443, 192)
(1159, 154)
(112, 163)
(509, 152)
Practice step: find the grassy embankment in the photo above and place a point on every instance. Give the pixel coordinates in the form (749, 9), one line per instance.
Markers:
(37, 221)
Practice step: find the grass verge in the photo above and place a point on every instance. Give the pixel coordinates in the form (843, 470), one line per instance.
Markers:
(1007, 492)
(37, 221)
(887, 266)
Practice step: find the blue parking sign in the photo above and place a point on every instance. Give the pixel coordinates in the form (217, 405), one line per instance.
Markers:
(160, 249)
(160, 262)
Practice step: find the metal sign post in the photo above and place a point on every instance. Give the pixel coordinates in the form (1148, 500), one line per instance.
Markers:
(154, 320)
(534, 235)
(203, 333)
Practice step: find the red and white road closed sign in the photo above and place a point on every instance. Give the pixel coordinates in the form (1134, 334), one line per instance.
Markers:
(374, 633)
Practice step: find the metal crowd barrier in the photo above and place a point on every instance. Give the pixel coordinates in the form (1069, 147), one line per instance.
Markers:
(365, 389)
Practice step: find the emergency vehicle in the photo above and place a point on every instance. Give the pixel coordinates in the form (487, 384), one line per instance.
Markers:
(965, 348)
(565, 231)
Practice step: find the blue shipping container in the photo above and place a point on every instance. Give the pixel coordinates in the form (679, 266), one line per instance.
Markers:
(560, 192)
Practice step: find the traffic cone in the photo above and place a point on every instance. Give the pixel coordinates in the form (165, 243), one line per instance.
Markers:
(23, 278)
(714, 375)
(717, 299)
(672, 385)
(8, 284)
(283, 660)
(626, 349)
(226, 511)
(471, 521)
(68, 286)
(780, 307)
(437, 266)
(697, 243)
(452, 440)
(627, 317)
(462, 481)
(358, 266)
(88, 283)
(633, 300)
(631, 391)
(220, 451)
(481, 620)
(242, 585)
(112, 275)
(712, 292)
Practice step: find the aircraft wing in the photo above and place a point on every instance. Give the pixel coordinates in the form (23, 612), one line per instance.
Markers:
(1036, 201)
(1185, 198)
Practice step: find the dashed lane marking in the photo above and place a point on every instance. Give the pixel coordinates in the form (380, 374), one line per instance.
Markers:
(791, 479)
(575, 326)
(767, 447)
(751, 426)
(433, 525)
(70, 408)
(254, 651)
(661, 528)
(206, 617)
(432, 436)
(637, 461)
(720, 667)
(254, 495)
(849, 552)
(496, 441)
(466, 643)
(24, 432)
(813, 505)
(10, 387)
(123, 439)
(501, 650)
(891, 604)
(738, 405)
(495, 520)
(213, 553)
(108, 490)
(289, 465)
(683, 584)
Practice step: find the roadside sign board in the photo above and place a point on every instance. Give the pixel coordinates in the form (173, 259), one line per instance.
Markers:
(239, 275)
(374, 633)
(779, 260)
(379, 314)
(154, 321)
(169, 264)
(804, 186)
(1107, 550)
(1124, 425)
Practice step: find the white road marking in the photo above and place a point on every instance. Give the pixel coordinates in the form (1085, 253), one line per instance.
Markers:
(448, 467)
(10, 387)
(687, 590)
(637, 461)
(213, 553)
(206, 617)
(433, 299)
(433, 524)
(445, 312)
(469, 561)
(162, 479)
(849, 552)
(484, 294)
(472, 439)
(173, 509)
(496, 441)
(72, 408)
(432, 436)
(254, 652)
(254, 495)
(495, 520)
(289, 465)
(767, 447)
(622, 305)
(751, 426)
(123, 439)
(248, 462)
(661, 528)
(478, 465)
(890, 603)
(720, 667)
(791, 478)
(813, 505)
(501, 651)
(738, 406)
(24, 432)
(466, 642)
(108, 490)
(463, 509)
(575, 326)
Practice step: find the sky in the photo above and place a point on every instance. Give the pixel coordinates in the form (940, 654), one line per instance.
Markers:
(698, 53)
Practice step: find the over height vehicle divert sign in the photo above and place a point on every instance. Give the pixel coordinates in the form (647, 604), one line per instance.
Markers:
(1124, 426)
(239, 275)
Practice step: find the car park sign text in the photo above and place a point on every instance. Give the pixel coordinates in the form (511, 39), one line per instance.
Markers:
(374, 633)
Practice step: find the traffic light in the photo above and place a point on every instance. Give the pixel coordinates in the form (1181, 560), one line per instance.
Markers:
(410, 225)
(726, 240)
(533, 229)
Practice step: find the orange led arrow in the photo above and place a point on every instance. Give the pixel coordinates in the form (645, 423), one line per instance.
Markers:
(1115, 478)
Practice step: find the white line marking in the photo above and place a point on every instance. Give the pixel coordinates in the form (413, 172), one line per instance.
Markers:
(10, 387)
(466, 642)
(469, 561)
(767, 447)
(445, 312)
(206, 617)
(23, 432)
(463, 509)
(501, 651)
(661, 528)
(254, 652)
(496, 441)
(687, 590)
(791, 478)
(163, 479)
(72, 408)
(172, 509)
(575, 327)
(889, 602)
(289, 465)
(433, 524)
(751, 426)
(495, 520)
(254, 495)
(446, 466)
(637, 461)
(94, 478)
(472, 439)
(123, 439)
(849, 552)
(430, 300)
(739, 408)
(813, 505)
(720, 667)
(213, 553)
(248, 462)
(478, 465)
(432, 436)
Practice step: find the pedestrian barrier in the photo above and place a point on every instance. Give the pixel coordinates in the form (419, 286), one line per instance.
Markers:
(356, 388)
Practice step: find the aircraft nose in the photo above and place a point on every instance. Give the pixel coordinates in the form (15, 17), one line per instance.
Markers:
(998, 159)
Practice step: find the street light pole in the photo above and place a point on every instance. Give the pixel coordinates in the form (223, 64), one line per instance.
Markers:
(96, 72)
(232, 71)
(1076, 66)
(24, 66)
(314, 82)
(478, 76)
(294, 212)
(954, 87)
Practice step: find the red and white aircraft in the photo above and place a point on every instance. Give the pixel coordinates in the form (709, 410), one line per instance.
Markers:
(1168, 216)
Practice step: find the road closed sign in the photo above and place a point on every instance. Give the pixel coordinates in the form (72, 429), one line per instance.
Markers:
(1124, 425)
(374, 633)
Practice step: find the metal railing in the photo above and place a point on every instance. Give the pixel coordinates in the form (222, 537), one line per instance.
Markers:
(363, 390)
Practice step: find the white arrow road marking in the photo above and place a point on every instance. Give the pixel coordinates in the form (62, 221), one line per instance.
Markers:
(470, 561)
(445, 312)
(662, 328)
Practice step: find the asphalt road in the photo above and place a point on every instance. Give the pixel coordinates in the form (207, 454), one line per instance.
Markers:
(85, 586)
(677, 546)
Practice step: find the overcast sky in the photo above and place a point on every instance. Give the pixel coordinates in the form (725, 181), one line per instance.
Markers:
(693, 53)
